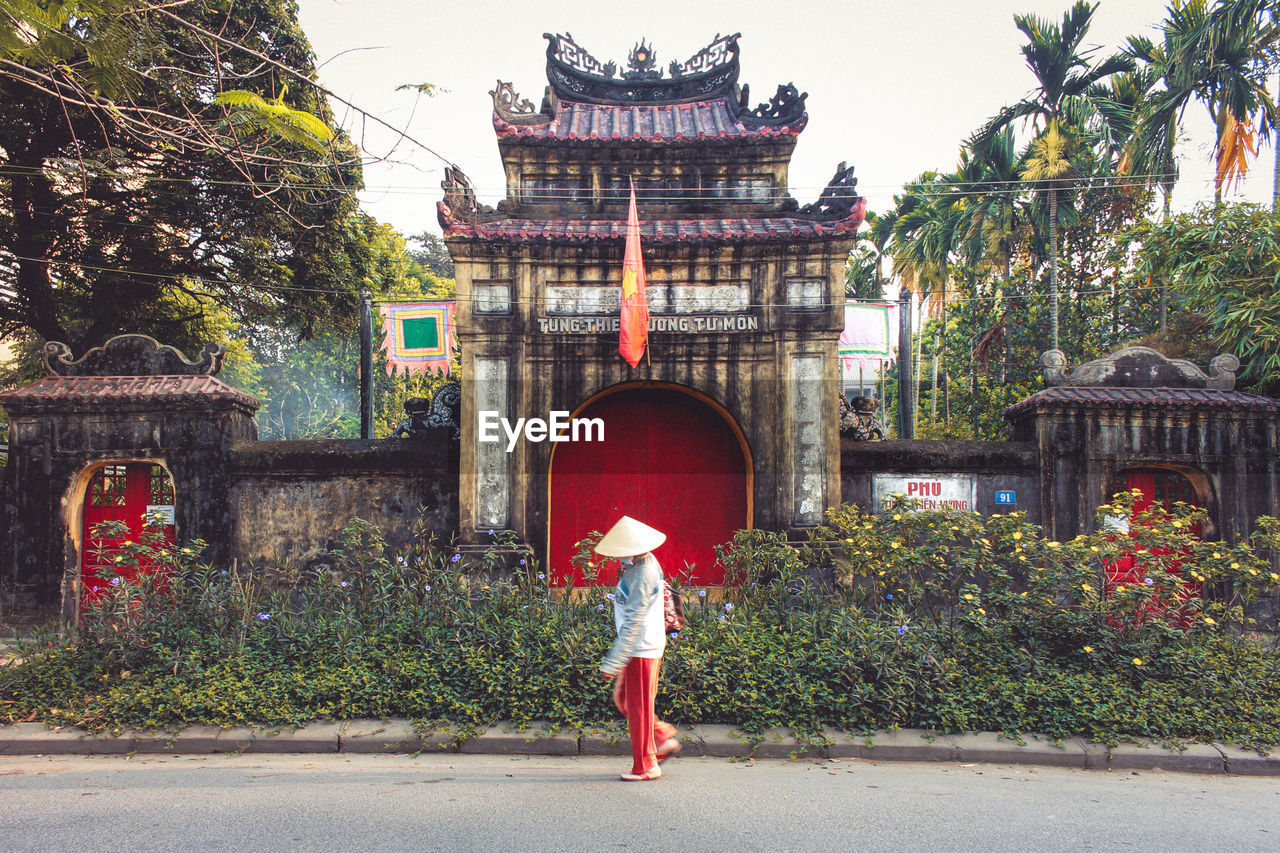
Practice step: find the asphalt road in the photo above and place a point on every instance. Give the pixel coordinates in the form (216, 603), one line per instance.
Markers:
(487, 802)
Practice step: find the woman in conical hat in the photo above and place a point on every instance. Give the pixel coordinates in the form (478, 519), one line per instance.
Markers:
(636, 656)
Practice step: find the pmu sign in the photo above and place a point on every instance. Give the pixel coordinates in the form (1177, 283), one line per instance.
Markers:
(932, 491)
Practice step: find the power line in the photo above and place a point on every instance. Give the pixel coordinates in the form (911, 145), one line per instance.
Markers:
(535, 303)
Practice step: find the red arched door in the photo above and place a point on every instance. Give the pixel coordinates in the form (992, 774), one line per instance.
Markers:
(1157, 487)
(122, 492)
(667, 459)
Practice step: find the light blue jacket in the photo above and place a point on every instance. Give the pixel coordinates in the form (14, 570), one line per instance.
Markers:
(638, 615)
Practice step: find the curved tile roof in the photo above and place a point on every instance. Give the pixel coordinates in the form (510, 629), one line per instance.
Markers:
(654, 230)
(655, 124)
(1066, 396)
(99, 389)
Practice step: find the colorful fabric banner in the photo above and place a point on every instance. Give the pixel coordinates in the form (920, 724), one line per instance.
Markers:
(870, 333)
(634, 333)
(418, 337)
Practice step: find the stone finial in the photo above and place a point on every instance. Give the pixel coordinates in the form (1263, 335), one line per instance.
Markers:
(132, 355)
(1140, 367)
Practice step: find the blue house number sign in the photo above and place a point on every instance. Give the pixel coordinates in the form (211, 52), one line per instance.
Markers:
(1006, 498)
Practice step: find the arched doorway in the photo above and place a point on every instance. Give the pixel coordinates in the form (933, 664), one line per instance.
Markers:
(671, 458)
(127, 492)
(1156, 487)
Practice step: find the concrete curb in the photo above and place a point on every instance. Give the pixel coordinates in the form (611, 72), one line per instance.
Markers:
(397, 736)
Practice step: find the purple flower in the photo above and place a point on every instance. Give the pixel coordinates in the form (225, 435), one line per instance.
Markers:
(402, 561)
(344, 583)
(599, 607)
(609, 596)
(902, 629)
(115, 581)
(702, 593)
(263, 617)
(889, 596)
(541, 576)
(522, 563)
(675, 635)
(455, 558)
(721, 617)
(1148, 581)
(427, 587)
(729, 607)
(490, 531)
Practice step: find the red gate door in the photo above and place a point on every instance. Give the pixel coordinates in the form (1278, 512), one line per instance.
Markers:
(667, 459)
(120, 492)
(1162, 487)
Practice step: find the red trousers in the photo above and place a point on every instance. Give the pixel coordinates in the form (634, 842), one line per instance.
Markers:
(637, 690)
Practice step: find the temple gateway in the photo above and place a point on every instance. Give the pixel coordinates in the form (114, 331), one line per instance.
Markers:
(723, 426)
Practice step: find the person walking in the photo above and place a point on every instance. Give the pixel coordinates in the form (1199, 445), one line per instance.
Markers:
(636, 656)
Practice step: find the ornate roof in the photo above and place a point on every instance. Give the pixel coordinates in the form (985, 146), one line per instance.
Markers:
(839, 210)
(576, 75)
(96, 390)
(132, 355)
(1071, 396)
(653, 230)
(569, 121)
(588, 100)
(1140, 367)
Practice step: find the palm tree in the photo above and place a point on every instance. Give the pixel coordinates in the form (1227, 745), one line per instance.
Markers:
(1048, 162)
(926, 230)
(1219, 57)
(1067, 94)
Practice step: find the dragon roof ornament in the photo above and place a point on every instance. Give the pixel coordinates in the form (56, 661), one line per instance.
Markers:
(576, 75)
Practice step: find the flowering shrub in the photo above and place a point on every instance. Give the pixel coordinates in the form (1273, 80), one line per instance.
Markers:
(943, 620)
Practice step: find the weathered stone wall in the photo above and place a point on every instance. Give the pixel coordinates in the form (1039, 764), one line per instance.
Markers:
(994, 465)
(291, 499)
(1228, 456)
(55, 449)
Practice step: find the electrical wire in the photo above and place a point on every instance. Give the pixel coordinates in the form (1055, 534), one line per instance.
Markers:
(536, 303)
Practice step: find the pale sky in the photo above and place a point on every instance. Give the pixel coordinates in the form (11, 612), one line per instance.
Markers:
(893, 88)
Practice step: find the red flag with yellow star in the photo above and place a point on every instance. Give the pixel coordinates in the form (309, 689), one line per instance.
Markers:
(634, 333)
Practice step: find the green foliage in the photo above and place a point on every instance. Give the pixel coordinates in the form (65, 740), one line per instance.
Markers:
(939, 619)
(1224, 261)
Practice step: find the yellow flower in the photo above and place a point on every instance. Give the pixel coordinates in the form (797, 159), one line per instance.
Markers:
(984, 541)
(1094, 548)
(968, 596)
(1275, 577)
(1216, 555)
(983, 612)
(1086, 587)
(1053, 544)
(895, 544)
(1177, 522)
(1235, 565)
(1088, 649)
(1023, 594)
(1208, 620)
(897, 517)
(1017, 535)
(1137, 661)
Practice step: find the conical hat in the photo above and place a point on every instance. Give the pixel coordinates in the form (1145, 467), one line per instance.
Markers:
(629, 538)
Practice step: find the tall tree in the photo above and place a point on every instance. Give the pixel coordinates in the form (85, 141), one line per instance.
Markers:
(1067, 94)
(133, 198)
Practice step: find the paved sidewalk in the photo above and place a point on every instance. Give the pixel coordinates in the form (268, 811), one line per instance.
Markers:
(398, 736)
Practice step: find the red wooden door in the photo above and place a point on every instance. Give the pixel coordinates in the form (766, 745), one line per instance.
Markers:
(120, 492)
(1158, 487)
(668, 460)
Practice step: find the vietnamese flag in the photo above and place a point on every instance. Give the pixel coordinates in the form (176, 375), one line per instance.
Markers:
(635, 309)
